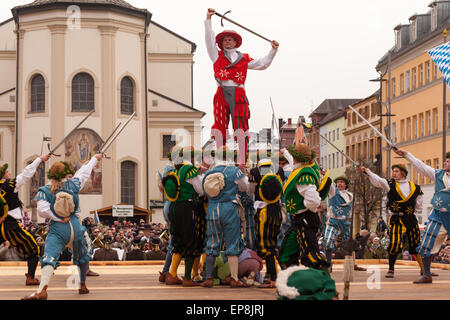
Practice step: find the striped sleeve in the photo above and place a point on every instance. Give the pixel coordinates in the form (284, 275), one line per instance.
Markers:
(41, 196)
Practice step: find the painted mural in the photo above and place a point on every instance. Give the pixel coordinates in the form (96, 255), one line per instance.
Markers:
(80, 147)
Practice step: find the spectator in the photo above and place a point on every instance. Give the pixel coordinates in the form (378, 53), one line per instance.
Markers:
(106, 253)
(41, 244)
(155, 253)
(136, 253)
(95, 233)
(406, 256)
(381, 226)
(362, 238)
(385, 240)
(10, 253)
(250, 266)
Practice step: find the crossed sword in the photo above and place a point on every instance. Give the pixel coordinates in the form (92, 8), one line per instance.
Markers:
(105, 146)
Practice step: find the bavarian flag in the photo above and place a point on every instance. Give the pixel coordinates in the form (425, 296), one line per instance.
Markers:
(441, 57)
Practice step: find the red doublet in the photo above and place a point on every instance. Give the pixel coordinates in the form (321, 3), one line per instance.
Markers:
(222, 109)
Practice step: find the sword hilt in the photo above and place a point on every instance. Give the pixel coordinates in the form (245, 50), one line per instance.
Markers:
(52, 153)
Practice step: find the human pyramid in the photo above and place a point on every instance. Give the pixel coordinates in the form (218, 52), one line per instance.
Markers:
(217, 206)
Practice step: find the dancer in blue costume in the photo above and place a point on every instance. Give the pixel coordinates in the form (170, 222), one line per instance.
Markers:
(340, 206)
(58, 202)
(438, 224)
(221, 184)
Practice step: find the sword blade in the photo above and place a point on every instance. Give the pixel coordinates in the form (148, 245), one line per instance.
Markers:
(67, 135)
(239, 25)
(346, 156)
(114, 137)
(112, 133)
(374, 129)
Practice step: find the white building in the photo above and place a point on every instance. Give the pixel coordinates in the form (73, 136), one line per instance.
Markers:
(68, 58)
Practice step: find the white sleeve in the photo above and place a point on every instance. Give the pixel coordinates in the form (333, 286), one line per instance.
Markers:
(84, 173)
(196, 182)
(242, 184)
(377, 181)
(421, 167)
(43, 209)
(264, 62)
(419, 203)
(210, 40)
(332, 191)
(27, 173)
(311, 196)
(251, 188)
(288, 157)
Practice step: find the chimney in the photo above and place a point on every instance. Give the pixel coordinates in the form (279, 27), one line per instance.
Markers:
(289, 120)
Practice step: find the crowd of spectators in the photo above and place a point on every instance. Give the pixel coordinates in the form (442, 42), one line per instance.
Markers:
(374, 245)
(126, 240)
(122, 240)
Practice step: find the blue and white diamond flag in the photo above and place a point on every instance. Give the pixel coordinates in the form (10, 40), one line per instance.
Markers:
(441, 57)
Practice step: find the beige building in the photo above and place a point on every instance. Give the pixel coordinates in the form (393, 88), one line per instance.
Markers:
(414, 87)
(106, 56)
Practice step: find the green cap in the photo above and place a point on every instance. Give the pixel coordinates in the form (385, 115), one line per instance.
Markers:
(3, 170)
(342, 178)
(401, 167)
(299, 283)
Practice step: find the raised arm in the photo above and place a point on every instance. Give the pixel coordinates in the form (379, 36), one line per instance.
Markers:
(210, 37)
(84, 173)
(375, 180)
(264, 62)
(421, 167)
(29, 171)
(288, 156)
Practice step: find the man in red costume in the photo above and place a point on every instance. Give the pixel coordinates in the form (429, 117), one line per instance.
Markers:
(230, 72)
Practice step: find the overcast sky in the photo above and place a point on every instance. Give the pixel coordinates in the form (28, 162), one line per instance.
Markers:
(328, 48)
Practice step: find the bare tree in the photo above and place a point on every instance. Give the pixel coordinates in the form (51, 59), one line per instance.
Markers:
(367, 197)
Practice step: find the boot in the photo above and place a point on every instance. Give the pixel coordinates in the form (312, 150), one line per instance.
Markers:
(171, 280)
(208, 283)
(91, 273)
(31, 281)
(83, 289)
(390, 274)
(37, 296)
(267, 285)
(424, 279)
(162, 277)
(238, 284)
(358, 268)
(226, 281)
(189, 283)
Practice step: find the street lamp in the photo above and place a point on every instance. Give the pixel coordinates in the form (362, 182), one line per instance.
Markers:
(444, 110)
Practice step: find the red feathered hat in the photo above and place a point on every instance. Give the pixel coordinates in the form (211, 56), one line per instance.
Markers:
(229, 33)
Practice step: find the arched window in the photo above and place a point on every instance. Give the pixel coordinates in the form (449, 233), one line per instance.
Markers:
(83, 93)
(37, 94)
(126, 96)
(128, 185)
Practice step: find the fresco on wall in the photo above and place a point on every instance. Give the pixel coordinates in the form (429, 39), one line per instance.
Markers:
(80, 147)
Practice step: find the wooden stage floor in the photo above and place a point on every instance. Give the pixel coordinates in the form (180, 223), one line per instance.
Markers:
(140, 282)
